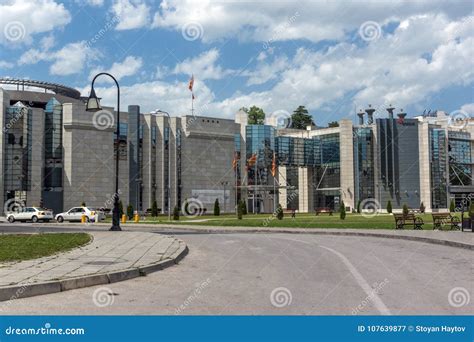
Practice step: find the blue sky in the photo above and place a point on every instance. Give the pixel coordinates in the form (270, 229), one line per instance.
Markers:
(334, 58)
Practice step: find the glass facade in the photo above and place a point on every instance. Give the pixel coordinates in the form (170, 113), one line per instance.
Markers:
(364, 163)
(53, 146)
(17, 152)
(459, 152)
(327, 171)
(438, 155)
(261, 143)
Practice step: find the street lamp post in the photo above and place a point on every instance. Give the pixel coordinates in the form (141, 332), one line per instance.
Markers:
(93, 105)
(169, 162)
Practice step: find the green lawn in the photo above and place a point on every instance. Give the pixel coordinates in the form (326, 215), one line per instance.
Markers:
(30, 246)
(380, 221)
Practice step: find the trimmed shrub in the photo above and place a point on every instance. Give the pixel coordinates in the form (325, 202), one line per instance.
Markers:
(279, 212)
(83, 204)
(342, 210)
(244, 207)
(217, 209)
(176, 213)
(130, 212)
(358, 207)
(422, 208)
(452, 206)
(154, 209)
(389, 207)
(239, 212)
(405, 209)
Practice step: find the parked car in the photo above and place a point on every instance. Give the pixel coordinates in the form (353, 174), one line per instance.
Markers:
(75, 214)
(33, 214)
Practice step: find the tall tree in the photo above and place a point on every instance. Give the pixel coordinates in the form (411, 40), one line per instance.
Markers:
(300, 118)
(256, 116)
(333, 124)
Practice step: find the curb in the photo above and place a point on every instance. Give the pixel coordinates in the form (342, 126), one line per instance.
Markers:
(434, 241)
(29, 290)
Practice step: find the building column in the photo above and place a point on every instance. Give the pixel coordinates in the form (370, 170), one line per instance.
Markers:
(282, 182)
(305, 198)
(347, 162)
(425, 172)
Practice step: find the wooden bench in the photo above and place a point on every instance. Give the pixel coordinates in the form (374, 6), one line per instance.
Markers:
(443, 219)
(410, 219)
(323, 211)
(468, 223)
(290, 211)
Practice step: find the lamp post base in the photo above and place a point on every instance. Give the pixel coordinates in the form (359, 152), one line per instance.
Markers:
(115, 228)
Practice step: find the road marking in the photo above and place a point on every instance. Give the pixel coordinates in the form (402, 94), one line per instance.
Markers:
(376, 300)
(378, 303)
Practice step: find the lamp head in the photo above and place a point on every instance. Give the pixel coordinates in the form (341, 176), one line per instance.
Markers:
(93, 103)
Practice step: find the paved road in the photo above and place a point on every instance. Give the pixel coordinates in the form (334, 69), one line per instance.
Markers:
(283, 274)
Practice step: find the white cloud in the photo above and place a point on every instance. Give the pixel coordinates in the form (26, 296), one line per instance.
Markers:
(133, 14)
(203, 66)
(71, 59)
(468, 108)
(6, 65)
(96, 3)
(266, 71)
(129, 67)
(20, 19)
(271, 21)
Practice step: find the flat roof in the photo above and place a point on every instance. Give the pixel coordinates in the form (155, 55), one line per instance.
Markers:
(54, 87)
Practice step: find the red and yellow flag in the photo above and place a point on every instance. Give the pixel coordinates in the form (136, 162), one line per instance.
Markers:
(252, 160)
(274, 165)
(235, 162)
(191, 83)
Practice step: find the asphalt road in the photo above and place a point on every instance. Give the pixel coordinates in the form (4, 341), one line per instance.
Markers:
(280, 274)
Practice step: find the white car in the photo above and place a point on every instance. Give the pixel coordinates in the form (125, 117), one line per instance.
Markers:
(33, 214)
(75, 214)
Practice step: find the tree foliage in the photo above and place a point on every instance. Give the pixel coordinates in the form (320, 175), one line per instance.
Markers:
(256, 115)
(301, 118)
(389, 207)
(342, 210)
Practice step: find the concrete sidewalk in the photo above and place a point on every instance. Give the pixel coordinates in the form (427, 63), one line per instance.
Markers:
(110, 257)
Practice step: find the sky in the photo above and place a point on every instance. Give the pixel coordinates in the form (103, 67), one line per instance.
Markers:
(334, 57)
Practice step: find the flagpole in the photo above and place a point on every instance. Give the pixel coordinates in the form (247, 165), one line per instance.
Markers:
(255, 182)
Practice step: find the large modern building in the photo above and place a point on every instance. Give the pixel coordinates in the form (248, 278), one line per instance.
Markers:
(54, 153)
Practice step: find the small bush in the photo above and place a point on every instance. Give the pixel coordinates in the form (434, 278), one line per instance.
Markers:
(452, 206)
(389, 207)
(358, 207)
(176, 213)
(239, 212)
(422, 208)
(83, 204)
(405, 209)
(120, 205)
(244, 207)
(217, 209)
(342, 211)
(130, 212)
(154, 209)
(279, 212)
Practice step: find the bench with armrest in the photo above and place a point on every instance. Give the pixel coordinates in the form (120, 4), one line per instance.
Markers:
(410, 219)
(324, 210)
(443, 219)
